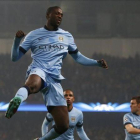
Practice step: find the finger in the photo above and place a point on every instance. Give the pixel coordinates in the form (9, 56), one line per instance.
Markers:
(104, 64)
(106, 67)
(20, 34)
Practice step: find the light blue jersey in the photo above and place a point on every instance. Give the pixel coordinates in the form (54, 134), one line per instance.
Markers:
(48, 49)
(131, 118)
(75, 120)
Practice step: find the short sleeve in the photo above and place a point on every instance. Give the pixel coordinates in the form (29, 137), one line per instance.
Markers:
(80, 121)
(127, 119)
(72, 46)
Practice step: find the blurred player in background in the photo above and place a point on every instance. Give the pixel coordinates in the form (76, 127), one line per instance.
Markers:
(131, 120)
(49, 46)
(75, 120)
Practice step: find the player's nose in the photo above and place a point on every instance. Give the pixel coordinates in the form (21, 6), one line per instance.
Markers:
(68, 97)
(60, 16)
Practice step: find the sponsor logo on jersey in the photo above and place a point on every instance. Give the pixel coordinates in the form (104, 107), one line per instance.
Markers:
(52, 47)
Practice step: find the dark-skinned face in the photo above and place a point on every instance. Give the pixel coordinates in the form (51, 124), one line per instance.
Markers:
(55, 17)
(69, 97)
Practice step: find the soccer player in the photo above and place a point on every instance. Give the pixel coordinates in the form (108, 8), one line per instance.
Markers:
(132, 120)
(49, 46)
(75, 120)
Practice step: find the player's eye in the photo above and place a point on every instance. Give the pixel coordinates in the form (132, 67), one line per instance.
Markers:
(57, 13)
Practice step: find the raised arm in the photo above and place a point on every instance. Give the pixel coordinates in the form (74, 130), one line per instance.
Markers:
(16, 51)
(81, 59)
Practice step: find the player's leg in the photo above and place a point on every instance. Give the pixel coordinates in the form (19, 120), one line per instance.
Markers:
(57, 106)
(60, 116)
(33, 84)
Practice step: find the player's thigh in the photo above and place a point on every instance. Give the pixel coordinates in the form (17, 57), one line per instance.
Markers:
(35, 77)
(60, 115)
(34, 82)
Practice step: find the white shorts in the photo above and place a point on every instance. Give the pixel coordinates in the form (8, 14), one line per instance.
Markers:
(53, 91)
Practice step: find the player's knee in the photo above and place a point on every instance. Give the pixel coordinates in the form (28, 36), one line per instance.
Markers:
(30, 88)
(33, 88)
(34, 84)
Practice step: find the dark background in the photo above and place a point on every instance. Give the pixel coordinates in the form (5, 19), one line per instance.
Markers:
(102, 22)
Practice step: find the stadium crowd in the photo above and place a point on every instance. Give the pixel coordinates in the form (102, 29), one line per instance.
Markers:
(90, 84)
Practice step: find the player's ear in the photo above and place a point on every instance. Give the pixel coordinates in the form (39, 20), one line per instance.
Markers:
(139, 105)
(48, 16)
(73, 99)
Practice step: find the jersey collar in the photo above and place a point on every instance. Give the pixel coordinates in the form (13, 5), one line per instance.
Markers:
(48, 29)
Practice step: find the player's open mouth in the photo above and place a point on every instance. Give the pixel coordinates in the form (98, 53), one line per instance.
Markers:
(59, 21)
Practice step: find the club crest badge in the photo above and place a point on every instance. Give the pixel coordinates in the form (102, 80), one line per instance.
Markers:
(60, 38)
(73, 119)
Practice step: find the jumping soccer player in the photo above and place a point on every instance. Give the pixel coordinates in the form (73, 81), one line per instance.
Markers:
(49, 46)
(75, 120)
(132, 120)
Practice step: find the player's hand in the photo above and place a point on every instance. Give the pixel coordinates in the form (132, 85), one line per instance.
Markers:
(20, 34)
(103, 63)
